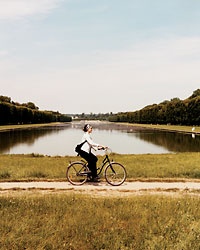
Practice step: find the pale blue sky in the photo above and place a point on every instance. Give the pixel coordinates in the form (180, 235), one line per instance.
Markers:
(83, 56)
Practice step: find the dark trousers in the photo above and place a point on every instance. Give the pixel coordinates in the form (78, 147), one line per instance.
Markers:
(92, 161)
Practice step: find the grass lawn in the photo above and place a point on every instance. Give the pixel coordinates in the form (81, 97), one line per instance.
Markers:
(180, 166)
(71, 222)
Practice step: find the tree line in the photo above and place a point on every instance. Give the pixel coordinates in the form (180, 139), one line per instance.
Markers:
(25, 113)
(91, 116)
(175, 112)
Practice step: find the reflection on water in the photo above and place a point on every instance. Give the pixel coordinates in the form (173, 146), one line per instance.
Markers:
(123, 139)
(172, 141)
(27, 137)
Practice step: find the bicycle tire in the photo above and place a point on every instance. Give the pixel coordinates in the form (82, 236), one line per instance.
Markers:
(75, 173)
(115, 174)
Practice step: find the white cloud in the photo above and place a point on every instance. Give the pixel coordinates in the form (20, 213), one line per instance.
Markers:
(15, 9)
(3, 53)
(163, 60)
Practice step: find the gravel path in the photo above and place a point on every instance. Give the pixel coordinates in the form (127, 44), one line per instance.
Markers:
(102, 186)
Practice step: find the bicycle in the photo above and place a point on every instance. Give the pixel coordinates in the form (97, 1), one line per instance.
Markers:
(115, 173)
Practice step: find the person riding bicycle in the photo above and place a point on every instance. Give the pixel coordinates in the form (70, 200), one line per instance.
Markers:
(86, 151)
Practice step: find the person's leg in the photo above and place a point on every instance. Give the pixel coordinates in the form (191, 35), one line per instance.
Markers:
(92, 160)
(92, 164)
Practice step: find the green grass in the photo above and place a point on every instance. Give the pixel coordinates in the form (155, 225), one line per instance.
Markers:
(27, 126)
(178, 128)
(66, 221)
(148, 166)
(154, 126)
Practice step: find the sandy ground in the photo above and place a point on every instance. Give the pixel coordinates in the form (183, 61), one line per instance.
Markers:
(102, 188)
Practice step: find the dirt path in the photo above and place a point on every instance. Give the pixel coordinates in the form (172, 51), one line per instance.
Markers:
(102, 188)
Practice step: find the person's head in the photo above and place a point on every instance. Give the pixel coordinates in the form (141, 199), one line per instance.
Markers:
(87, 128)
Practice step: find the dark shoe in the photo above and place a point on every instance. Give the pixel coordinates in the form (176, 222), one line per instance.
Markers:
(87, 172)
(95, 179)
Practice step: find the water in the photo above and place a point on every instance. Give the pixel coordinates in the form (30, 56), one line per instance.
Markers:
(122, 139)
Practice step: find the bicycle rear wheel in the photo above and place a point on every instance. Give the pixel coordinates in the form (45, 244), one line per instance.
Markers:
(115, 174)
(76, 173)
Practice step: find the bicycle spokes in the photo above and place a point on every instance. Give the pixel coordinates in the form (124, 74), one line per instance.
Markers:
(115, 174)
(75, 173)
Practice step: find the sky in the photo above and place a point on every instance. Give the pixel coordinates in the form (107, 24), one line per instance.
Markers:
(91, 56)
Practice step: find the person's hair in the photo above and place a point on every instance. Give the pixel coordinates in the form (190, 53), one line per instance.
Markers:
(86, 127)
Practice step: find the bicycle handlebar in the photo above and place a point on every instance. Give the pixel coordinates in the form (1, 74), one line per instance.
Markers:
(102, 148)
(106, 149)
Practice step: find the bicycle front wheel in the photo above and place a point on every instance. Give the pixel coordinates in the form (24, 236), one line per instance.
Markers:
(75, 173)
(115, 174)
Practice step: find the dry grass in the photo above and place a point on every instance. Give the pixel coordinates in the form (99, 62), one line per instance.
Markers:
(178, 128)
(180, 166)
(71, 221)
(26, 126)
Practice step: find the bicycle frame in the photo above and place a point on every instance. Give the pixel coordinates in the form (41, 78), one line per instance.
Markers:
(99, 168)
(104, 162)
(115, 173)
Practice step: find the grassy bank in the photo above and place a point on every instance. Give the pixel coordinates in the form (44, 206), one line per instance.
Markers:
(148, 166)
(27, 126)
(63, 221)
(178, 128)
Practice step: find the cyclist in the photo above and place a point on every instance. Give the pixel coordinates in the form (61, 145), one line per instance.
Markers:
(86, 151)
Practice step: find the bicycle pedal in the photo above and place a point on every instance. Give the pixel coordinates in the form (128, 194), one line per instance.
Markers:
(86, 172)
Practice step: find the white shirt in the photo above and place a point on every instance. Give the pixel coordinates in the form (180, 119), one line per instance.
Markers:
(87, 146)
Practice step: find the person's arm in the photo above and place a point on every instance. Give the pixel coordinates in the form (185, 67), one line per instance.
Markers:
(94, 144)
(90, 141)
